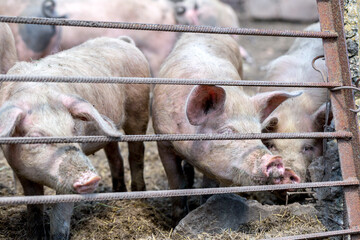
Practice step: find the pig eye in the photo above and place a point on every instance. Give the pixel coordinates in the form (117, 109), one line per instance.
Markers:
(308, 148)
(226, 130)
(270, 146)
(180, 10)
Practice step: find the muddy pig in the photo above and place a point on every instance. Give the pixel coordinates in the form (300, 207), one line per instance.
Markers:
(72, 109)
(207, 109)
(303, 114)
(7, 48)
(33, 41)
(154, 44)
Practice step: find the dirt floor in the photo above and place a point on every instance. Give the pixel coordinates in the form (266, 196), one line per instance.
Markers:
(150, 219)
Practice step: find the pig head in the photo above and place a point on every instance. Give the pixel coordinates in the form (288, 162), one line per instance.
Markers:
(297, 153)
(205, 12)
(214, 110)
(63, 167)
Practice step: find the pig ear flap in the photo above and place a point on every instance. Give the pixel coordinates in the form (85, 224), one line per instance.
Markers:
(266, 103)
(204, 102)
(269, 125)
(319, 118)
(83, 110)
(10, 117)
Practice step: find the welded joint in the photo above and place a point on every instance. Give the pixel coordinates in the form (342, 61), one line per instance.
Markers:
(348, 87)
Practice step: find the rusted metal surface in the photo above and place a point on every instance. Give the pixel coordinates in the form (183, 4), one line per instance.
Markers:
(321, 235)
(348, 87)
(331, 19)
(323, 76)
(166, 193)
(175, 137)
(172, 81)
(166, 27)
(296, 193)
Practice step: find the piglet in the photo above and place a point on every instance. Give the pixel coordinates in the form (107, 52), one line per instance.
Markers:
(207, 109)
(64, 110)
(306, 113)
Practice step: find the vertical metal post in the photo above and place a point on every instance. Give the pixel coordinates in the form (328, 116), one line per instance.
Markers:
(331, 19)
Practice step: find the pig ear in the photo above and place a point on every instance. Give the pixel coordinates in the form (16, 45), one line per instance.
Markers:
(10, 116)
(204, 102)
(269, 125)
(319, 118)
(81, 109)
(267, 102)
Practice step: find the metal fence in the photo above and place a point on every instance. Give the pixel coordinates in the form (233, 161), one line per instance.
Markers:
(347, 135)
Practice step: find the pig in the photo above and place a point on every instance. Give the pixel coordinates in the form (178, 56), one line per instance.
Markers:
(210, 13)
(303, 114)
(32, 41)
(154, 44)
(8, 55)
(74, 109)
(206, 109)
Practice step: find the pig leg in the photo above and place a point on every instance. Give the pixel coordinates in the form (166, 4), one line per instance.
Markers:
(189, 174)
(35, 218)
(176, 179)
(60, 221)
(116, 164)
(136, 162)
(136, 149)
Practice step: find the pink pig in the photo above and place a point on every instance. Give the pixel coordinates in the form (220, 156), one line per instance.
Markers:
(303, 114)
(212, 110)
(73, 109)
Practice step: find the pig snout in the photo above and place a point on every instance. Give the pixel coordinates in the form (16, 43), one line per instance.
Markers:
(290, 177)
(272, 166)
(87, 183)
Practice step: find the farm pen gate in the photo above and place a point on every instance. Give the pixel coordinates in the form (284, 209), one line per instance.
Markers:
(339, 84)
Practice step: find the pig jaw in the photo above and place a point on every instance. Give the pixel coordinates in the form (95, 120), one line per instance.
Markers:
(75, 173)
(240, 163)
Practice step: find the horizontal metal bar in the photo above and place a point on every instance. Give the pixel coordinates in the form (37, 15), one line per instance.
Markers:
(165, 193)
(172, 81)
(320, 235)
(166, 27)
(176, 137)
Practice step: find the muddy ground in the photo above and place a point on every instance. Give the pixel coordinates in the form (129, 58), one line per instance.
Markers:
(150, 219)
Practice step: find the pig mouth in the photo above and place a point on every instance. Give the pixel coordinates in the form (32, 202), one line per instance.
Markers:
(87, 183)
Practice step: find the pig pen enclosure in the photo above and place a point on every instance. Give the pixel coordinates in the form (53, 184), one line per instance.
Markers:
(150, 218)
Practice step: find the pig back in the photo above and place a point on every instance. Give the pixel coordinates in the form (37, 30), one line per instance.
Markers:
(204, 56)
(105, 57)
(156, 45)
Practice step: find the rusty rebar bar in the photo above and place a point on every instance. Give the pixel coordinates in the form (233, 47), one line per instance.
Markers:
(173, 81)
(167, 27)
(320, 235)
(165, 193)
(175, 137)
